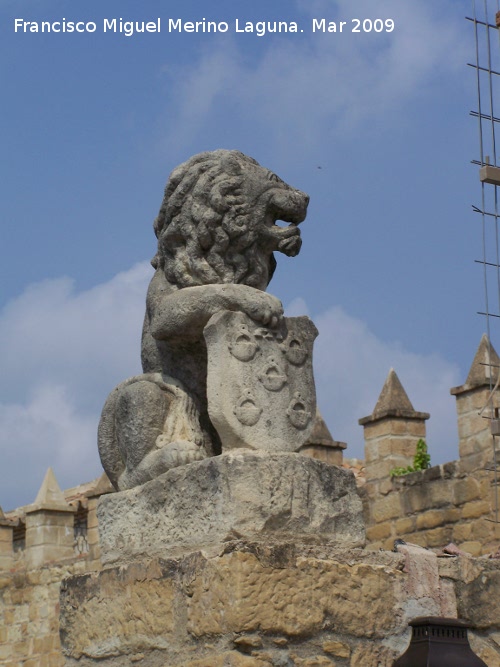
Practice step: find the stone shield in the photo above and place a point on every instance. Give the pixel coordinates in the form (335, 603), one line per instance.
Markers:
(260, 383)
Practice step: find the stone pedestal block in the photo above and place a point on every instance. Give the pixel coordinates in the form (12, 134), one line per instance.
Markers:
(252, 605)
(244, 494)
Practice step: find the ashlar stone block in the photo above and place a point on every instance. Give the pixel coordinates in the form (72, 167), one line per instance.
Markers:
(49, 536)
(6, 547)
(241, 494)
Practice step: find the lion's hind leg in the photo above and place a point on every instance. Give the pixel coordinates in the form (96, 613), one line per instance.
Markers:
(149, 425)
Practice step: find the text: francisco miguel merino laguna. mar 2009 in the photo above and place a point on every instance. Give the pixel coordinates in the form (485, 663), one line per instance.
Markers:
(171, 25)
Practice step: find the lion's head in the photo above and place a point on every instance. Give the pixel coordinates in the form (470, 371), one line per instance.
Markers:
(217, 221)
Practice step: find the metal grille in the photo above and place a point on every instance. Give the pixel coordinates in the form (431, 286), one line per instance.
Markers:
(485, 20)
(81, 545)
(19, 537)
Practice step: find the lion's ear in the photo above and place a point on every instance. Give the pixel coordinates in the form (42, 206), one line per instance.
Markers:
(231, 164)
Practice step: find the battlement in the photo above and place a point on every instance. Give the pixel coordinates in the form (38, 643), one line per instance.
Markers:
(57, 527)
(454, 502)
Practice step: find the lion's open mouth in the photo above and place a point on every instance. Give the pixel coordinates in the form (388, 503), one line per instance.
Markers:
(288, 206)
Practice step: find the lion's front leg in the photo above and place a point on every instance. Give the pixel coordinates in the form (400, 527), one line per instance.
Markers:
(183, 314)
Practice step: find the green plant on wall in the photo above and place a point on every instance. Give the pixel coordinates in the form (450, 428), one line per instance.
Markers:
(421, 461)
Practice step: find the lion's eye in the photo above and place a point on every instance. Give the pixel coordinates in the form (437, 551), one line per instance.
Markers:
(274, 177)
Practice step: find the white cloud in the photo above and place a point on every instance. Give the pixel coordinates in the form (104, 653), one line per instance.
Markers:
(324, 85)
(62, 351)
(46, 430)
(51, 332)
(351, 365)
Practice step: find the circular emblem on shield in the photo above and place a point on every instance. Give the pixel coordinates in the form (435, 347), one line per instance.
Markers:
(243, 347)
(247, 411)
(297, 412)
(272, 377)
(294, 352)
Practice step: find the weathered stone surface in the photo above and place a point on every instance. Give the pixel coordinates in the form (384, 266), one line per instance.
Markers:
(216, 237)
(227, 659)
(255, 495)
(123, 612)
(485, 649)
(338, 649)
(386, 508)
(422, 586)
(477, 593)
(29, 627)
(476, 509)
(285, 605)
(248, 595)
(430, 519)
(379, 531)
(331, 455)
(260, 385)
(376, 654)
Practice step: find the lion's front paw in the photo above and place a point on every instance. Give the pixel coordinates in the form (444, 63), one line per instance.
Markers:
(265, 309)
(291, 246)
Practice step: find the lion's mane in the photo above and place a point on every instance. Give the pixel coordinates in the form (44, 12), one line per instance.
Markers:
(207, 228)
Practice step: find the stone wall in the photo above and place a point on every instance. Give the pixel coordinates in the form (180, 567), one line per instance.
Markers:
(31, 570)
(29, 614)
(274, 580)
(284, 605)
(455, 502)
(433, 508)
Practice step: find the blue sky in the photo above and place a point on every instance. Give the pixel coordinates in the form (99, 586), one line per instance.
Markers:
(375, 127)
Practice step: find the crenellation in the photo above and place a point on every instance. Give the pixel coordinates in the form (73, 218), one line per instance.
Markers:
(321, 446)
(450, 502)
(382, 468)
(49, 537)
(30, 579)
(391, 431)
(474, 463)
(470, 400)
(465, 490)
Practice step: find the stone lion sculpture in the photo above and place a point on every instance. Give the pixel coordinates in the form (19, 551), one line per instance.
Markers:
(216, 232)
